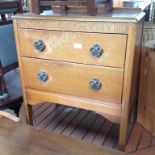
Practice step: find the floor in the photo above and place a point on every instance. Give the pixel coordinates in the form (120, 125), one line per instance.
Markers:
(81, 124)
(91, 127)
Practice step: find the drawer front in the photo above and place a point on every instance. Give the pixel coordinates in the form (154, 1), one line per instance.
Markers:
(93, 82)
(86, 48)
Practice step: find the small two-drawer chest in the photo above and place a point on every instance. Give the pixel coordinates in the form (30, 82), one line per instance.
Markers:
(85, 62)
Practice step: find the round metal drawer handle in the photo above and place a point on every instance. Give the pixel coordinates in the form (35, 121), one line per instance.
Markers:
(42, 76)
(39, 45)
(96, 50)
(95, 84)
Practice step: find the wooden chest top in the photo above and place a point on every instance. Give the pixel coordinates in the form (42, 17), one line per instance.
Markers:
(112, 22)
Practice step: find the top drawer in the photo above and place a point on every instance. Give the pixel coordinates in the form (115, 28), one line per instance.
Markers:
(86, 48)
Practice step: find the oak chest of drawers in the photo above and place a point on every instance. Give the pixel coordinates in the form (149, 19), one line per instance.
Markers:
(85, 62)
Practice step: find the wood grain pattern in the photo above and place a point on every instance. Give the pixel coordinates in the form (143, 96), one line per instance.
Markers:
(50, 117)
(35, 97)
(117, 17)
(77, 46)
(146, 113)
(86, 125)
(131, 73)
(66, 76)
(41, 116)
(62, 126)
(27, 140)
(85, 26)
(127, 84)
(29, 118)
(101, 132)
(74, 79)
(75, 123)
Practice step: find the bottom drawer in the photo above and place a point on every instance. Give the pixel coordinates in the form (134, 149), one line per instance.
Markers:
(93, 82)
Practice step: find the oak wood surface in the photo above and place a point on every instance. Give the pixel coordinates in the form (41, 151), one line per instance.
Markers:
(76, 45)
(27, 140)
(131, 76)
(35, 97)
(127, 84)
(63, 25)
(111, 16)
(129, 24)
(28, 111)
(74, 79)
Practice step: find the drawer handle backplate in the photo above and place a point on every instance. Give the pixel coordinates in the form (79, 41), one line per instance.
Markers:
(42, 76)
(96, 50)
(95, 84)
(40, 45)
